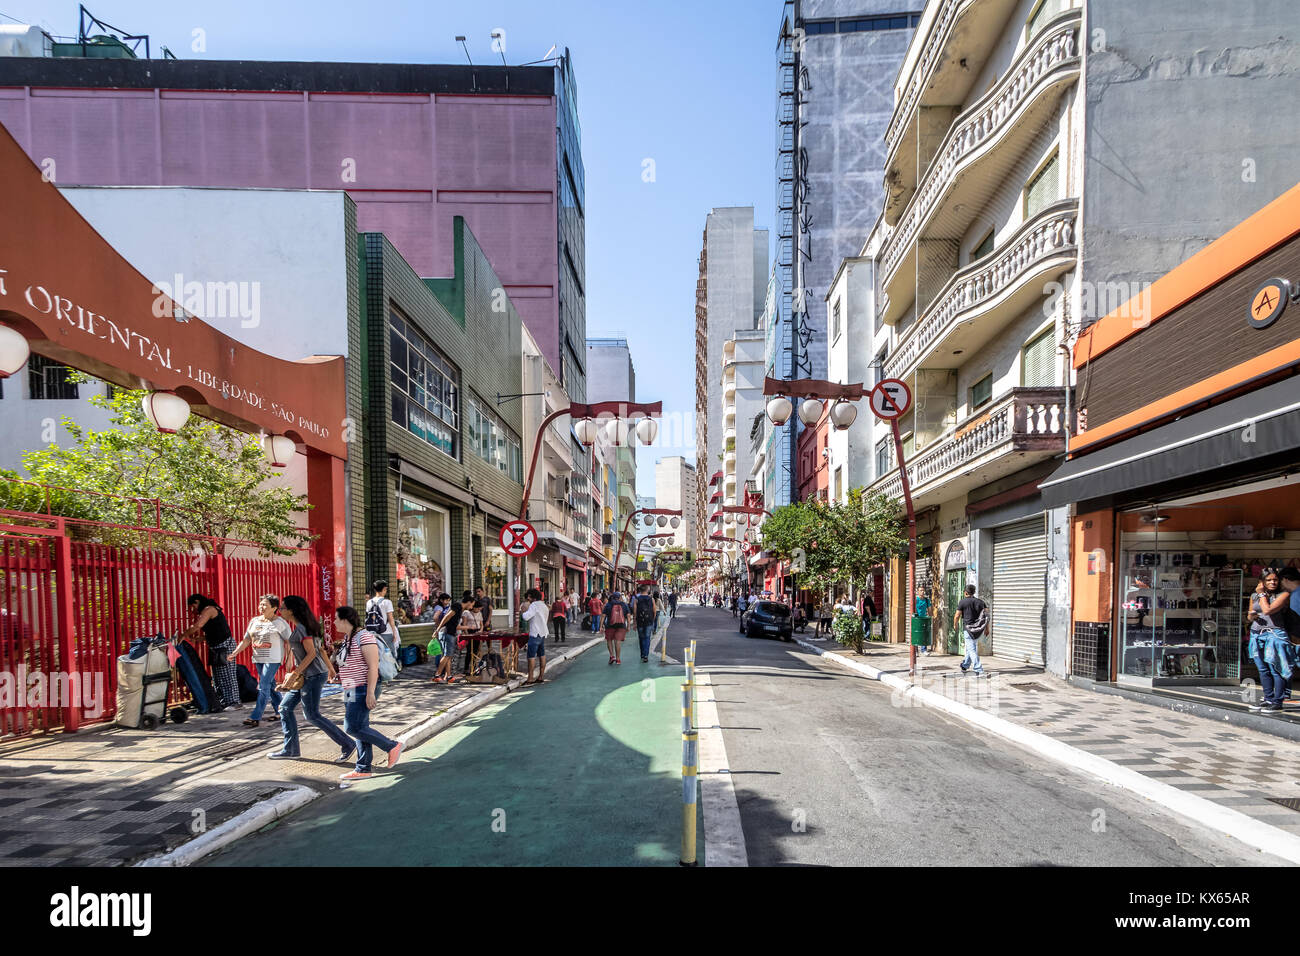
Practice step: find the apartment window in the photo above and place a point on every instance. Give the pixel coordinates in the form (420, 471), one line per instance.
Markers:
(492, 440)
(1042, 188)
(981, 393)
(425, 386)
(46, 379)
(884, 460)
(1036, 365)
(983, 248)
(835, 321)
(1045, 10)
(839, 484)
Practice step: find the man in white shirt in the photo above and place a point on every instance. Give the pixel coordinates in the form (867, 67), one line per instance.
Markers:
(535, 616)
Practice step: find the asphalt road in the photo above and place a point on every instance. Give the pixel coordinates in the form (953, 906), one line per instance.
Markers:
(829, 771)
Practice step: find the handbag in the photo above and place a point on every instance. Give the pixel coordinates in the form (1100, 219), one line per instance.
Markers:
(294, 682)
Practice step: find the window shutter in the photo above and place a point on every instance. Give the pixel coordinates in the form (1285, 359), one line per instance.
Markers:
(1036, 369)
(1042, 189)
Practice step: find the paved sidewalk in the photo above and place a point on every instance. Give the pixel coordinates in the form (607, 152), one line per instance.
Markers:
(109, 796)
(1234, 767)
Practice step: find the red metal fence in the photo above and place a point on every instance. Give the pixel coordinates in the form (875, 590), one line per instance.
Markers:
(72, 607)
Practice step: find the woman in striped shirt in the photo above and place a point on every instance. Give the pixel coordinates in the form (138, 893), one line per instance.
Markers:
(359, 675)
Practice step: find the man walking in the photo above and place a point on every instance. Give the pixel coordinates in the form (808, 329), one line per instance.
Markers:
(644, 613)
(535, 618)
(672, 603)
(972, 617)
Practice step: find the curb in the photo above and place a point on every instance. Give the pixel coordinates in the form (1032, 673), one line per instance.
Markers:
(251, 820)
(1221, 819)
(293, 798)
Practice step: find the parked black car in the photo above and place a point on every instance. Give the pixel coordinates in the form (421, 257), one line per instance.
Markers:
(767, 619)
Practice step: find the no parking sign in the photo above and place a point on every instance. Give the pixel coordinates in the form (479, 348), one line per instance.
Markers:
(518, 538)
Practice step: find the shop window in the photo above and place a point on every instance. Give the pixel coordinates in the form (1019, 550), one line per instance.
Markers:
(494, 577)
(1036, 362)
(423, 548)
(1043, 187)
(49, 380)
(981, 393)
(425, 386)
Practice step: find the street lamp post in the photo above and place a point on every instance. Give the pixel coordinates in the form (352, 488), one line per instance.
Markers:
(843, 414)
(674, 517)
(587, 429)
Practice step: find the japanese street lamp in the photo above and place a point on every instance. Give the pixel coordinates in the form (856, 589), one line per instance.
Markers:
(779, 409)
(14, 351)
(810, 409)
(166, 411)
(280, 449)
(670, 512)
(843, 415)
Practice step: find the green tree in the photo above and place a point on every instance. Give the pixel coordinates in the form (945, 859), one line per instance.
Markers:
(210, 479)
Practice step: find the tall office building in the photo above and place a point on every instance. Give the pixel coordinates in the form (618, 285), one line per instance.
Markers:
(675, 488)
(729, 298)
(611, 377)
(836, 65)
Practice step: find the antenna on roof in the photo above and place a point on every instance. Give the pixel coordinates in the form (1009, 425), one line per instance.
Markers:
(461, 41)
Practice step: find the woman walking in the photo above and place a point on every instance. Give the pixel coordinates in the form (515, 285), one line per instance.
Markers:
(267, 633)
(211, 621)
(617, 613)
(559, 617)
(359, 675)
(306, 681)
(1269, 645)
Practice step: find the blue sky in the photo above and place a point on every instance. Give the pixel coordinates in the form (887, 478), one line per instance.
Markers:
(690, 85)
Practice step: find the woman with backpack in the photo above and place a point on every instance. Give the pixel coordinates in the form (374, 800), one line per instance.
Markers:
(616, 627)
(359, 675)
(304, 683)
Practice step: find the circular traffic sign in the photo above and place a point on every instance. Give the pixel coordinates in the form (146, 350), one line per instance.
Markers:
(518, 538)
(891, 399)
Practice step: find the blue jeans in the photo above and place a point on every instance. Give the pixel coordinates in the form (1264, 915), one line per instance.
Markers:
(595, 623)
(310, 697)
(644, 634)
(972, 658)
(266, 690)
(356, 724)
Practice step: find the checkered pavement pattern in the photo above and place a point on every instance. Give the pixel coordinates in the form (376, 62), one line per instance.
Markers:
(107, 796)
(1236, 767)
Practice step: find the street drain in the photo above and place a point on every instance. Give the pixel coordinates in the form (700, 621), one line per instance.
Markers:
(1030, 687)
(1291, 803)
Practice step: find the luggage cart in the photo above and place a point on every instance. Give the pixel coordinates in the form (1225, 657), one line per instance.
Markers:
(143, 684)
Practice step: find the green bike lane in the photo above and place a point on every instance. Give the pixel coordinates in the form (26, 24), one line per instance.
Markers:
(582, 770)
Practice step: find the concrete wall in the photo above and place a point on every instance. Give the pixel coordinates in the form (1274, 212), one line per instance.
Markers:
(1188, 127)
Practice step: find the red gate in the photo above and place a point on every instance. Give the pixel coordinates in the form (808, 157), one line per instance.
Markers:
(69, 609)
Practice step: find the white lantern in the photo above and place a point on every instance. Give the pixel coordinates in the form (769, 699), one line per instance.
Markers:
(14, 351)
(586, 430)
(663, 521)
(675, 522)
(616, 432)
(280, 449)
(731, 518)
(810, 409)
(646, 430)
(166, 411)
(779, 409)
(843, 414)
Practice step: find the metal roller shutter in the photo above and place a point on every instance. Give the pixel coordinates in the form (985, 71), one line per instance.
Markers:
(1020, 590)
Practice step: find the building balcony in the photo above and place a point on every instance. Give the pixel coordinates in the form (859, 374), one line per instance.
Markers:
(729, 393)
(978, 151)
(980, 299)
(729, 433)
(1027, 425)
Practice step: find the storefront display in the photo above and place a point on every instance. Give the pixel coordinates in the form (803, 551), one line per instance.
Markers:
(423, 543)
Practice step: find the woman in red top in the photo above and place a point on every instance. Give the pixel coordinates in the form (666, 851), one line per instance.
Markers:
(559, 617)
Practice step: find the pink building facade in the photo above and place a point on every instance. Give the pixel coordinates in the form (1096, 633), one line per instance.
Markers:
(413, 145)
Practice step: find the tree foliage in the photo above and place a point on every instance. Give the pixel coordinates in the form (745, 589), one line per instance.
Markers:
(837, 543)
(210, 479)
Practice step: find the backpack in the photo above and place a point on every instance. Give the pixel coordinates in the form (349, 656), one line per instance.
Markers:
(387, 662)
(375, 619)
(645, 611)
(616, 616)
(981, 623)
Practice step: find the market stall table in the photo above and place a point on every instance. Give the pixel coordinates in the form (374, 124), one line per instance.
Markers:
(510, 644)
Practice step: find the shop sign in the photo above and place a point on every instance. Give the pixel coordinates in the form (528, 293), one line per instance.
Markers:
(1270, 301)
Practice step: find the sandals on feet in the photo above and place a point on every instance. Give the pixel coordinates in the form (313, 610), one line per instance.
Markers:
(251, 723)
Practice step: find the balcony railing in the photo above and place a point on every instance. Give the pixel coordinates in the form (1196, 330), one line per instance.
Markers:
(1027, 419)
(934, 44)
(1048, 236)
(1055, 52)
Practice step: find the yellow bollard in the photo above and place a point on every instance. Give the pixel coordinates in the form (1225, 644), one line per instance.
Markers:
(663, 649)
(690, 771)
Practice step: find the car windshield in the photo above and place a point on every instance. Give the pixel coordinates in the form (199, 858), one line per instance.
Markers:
(774, 609)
